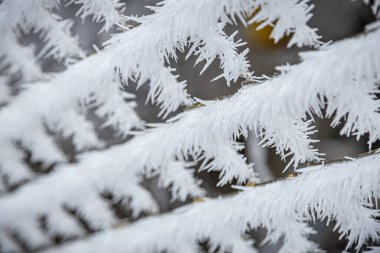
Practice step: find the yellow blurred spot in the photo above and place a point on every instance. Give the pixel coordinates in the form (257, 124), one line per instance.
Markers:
(250, 184)
(262, 36)
(198, 199)
(291, 175)
(121, 224)
(193, 106)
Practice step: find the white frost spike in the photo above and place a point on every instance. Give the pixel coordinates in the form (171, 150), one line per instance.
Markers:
(61, 223)
(231, 165)
(180, 179)
(72, 123)
(134, 197)
(12, 165)
(42, 147)
(31, 233)
(285, 215)
(216, 44)
(17, 59)
(287, 17)
(108, 11)
(93, 210)
(20, 123)
(28, 15)
(165, 89)
(116, 109)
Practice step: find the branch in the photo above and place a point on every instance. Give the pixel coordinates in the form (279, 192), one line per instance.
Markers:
(139, 54)
(274, 109)
(312, 166)
(282, 207)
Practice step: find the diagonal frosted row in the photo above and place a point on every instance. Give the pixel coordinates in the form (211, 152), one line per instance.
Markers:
(200, 24)
(335, 82)
(24, 120)
(25, 16)
(283, 208)
(139, 55)
(275, 109)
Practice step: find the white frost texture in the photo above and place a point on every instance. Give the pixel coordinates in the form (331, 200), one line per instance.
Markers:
(339, 81)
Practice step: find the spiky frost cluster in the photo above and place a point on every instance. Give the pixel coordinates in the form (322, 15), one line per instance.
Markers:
(327, 83)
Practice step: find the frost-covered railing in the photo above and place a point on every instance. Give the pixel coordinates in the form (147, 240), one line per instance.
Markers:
(276, 109)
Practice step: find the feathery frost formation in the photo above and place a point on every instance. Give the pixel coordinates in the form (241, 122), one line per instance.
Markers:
(278, 110)
(138, 55)
(24, 119)
(283, 208)
(154, 152)
(27, 16)
(109, 11)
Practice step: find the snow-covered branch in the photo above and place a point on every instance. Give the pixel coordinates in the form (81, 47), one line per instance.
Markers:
(280, 111)
(283, 208)
(138, 55)
(24, 118)
(29, 16)
(275, 109)
(24, 16)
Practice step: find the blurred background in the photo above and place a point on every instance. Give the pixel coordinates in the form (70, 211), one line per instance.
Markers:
(335, 19)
